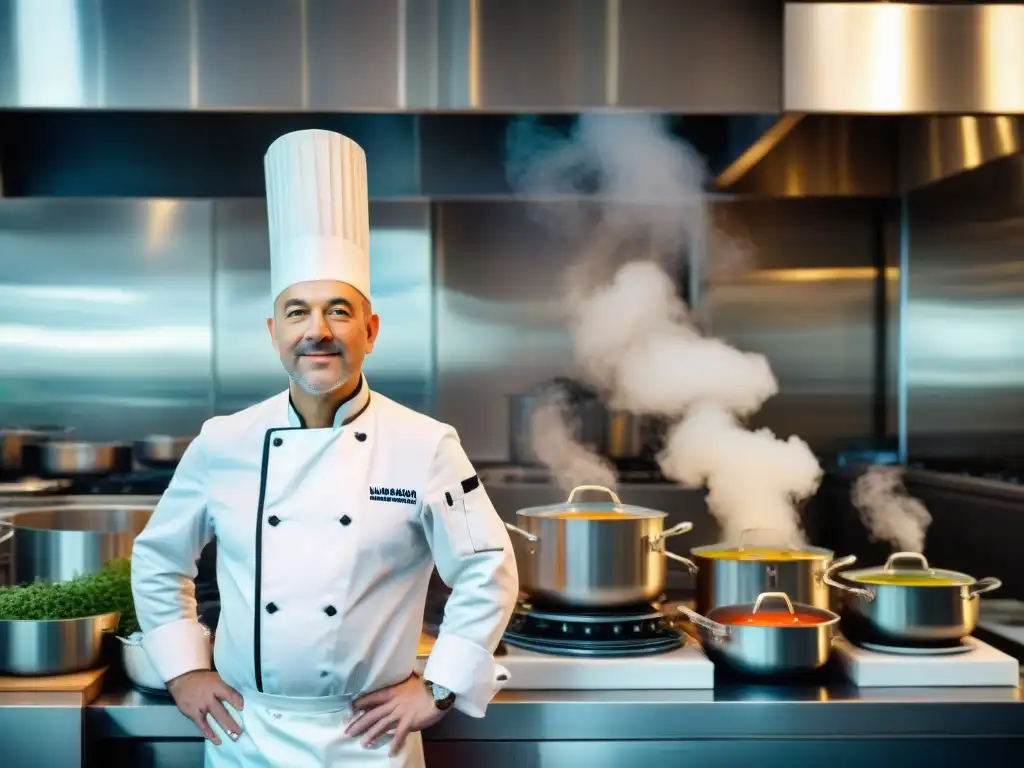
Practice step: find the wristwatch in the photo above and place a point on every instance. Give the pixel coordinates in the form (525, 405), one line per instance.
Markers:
(443, 698)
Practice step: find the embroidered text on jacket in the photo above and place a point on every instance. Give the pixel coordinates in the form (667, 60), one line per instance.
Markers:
(398, 495)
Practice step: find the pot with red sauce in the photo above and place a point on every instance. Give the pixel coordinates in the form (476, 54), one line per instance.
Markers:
(771, 637)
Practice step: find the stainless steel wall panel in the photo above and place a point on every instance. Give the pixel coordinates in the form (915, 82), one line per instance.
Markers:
(402, 364)
(500, 320)
(809, 305)
(965, 314)
(339, 36)
(147, 53)
(722, 57)
(251, 55)
(568, 55)
(105, 315)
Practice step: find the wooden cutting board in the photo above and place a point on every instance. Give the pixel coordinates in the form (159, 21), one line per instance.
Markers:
(78, 689)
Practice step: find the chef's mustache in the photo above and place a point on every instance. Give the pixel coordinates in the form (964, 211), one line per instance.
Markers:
(322, 347)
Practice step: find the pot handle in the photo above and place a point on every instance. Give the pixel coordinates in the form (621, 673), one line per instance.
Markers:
(657, 543)
(578, 488)
(917, 557)
(842, 562)
(719, 632)
(981, 586)
(777, 596)
(9, 534)
(525, 534)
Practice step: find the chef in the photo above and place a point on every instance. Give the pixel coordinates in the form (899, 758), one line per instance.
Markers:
(330, 506)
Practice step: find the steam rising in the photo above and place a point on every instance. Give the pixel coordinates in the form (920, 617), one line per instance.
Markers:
(552, 428)
(634, 339)
(889, 512)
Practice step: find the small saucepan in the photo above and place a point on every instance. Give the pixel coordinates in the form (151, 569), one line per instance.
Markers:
(788, 638)
(908, 603)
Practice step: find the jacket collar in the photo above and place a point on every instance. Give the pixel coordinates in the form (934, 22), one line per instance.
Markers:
(348, 411)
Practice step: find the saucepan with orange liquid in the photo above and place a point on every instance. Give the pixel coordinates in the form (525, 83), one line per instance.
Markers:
(593, 554)
(772, 636)
(763, 560)
(907, 602)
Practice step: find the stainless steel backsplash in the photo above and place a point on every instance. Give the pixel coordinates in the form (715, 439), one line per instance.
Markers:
(808, 304)
(127, 317)
(965, 314)
(123, 318)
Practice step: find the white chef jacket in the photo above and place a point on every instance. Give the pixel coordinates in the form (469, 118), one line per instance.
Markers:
(326, 540)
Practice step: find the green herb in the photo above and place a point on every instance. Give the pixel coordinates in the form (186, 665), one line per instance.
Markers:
(107, 591)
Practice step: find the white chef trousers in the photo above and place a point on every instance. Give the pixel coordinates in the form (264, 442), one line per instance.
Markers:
(291, 732)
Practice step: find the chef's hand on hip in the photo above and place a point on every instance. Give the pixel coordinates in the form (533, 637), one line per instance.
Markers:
(202, 692)
(404, 707)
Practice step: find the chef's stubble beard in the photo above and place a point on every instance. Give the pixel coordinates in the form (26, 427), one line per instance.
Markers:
(310, 389)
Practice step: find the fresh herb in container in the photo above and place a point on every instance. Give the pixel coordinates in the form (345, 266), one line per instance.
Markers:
(96, 594)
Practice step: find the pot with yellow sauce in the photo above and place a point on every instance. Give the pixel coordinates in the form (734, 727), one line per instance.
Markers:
(593, 554)
(763, 560)
(907, 602)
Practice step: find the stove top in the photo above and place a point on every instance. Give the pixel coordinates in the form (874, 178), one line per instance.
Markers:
(148, 482)
(632, 631)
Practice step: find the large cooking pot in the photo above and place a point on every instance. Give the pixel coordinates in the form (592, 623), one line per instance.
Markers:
(906, 602)
(74, 459)
(787, 639)
(59, 543)
(19, 449)
(735, 574)
(161, 451)
(611, 433)
(593, 554)
(36, 647)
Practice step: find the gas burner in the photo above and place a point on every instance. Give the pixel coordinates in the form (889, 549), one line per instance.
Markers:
(931, 649)
(634, 631)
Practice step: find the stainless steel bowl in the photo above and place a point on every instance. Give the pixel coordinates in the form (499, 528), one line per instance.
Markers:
(37, 648)
(59, 543)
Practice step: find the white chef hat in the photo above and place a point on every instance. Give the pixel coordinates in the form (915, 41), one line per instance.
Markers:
(318, 210)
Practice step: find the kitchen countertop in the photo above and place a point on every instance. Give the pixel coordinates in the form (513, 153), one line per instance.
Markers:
(831, 707)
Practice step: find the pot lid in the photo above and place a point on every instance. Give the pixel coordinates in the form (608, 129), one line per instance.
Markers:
(909, 569)
(574, 506)
(762, 544)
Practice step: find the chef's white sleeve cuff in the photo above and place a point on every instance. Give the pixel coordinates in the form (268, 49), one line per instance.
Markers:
(176, 648)
(466, 669)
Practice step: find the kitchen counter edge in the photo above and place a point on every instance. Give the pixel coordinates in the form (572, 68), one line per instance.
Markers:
(733, 712)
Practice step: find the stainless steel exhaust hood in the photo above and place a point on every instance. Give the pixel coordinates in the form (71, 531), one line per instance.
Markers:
(882, 97)
(903, 58)
(861, 98)
(392, 55)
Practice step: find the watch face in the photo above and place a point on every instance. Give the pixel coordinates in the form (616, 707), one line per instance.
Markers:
(440, 693)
